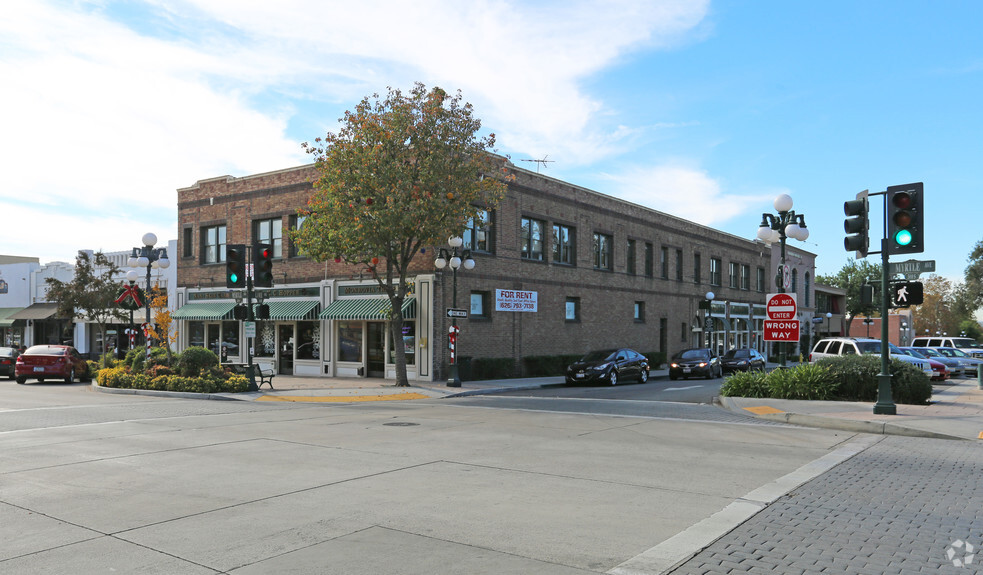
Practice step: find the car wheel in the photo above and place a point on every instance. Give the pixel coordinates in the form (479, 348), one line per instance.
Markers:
(672, 377)
(644, 376)
(613, 378)
(70, 378)
(21, 380)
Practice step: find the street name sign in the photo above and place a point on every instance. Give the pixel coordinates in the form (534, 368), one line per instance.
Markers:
(911, 268)
(452, 312)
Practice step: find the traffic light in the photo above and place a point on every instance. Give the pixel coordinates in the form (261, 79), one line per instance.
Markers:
(263, 311)
(905, 218)
(263, 265)
(240, 312)
(905, 294)
(235, 266)
(856, 225)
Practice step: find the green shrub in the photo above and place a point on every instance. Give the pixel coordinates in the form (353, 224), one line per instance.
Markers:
(194, 360)
(120, 378)
(656, 358)
(492, 368)
(547, 365)
(746, 384)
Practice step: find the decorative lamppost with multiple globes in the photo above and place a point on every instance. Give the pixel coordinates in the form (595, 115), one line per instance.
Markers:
(778, 228)
(147, 257)
(455, 258)
(706, 305)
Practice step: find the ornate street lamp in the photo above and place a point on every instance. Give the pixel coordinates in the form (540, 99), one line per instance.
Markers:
(147, 257)
(455, 258)
(829, 315)
(706, 305)
(778, 228)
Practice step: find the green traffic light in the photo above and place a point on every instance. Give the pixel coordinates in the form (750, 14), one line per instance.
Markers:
(903, 237)
(234, 278)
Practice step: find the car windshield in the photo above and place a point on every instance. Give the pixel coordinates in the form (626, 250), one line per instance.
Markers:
(7, 351)
(45, 350)
(952, 352)
(737, 354)
(928, 352)
(964, 343)
(915, 353)
(693, 354)
(600, 355)
(875, 347)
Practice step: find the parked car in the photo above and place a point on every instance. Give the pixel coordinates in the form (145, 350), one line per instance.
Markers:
(698, 361)
(957, 367)
(972, 365)
(940, 372)
(8, 357)
(965, 344)
(43, 362)
(609, 366)
(745, 359)
(834, 346)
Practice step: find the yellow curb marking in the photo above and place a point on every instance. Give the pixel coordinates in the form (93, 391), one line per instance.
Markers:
(762, 410)
(295, 398)
(980, 436)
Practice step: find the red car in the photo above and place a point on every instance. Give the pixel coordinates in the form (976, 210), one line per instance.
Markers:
(43, 362)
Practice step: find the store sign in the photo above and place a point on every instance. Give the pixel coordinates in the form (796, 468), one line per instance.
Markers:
(515, 300)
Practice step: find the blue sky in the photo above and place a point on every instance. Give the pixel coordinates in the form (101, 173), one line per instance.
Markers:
(705, 110)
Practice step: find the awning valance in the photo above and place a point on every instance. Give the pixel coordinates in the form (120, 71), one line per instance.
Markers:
(366, 309)
(5, 313)
(35, 311)
(205, 311)
(292, 310)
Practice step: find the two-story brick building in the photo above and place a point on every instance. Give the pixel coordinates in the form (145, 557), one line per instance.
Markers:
(600, 271)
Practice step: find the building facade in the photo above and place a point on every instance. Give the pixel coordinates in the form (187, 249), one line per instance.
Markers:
(592, 271)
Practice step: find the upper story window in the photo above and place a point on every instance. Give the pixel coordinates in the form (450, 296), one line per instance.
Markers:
(795, 281)
(213, 244)
(664, 261)
(603, 251)
(630, 253)
(745, 277)
(805, 284)
(649, 260)
(679, 266)
(564, 245)
(732, 276)
(188, 244)
(296, 222)
(270, 232)
(531, 239)
(697, 268)
(715, 271)
(760, 284)
(477, 233)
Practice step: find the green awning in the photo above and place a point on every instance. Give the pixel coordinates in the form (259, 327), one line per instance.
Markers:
(5, 313)
(35, 311)
(366, 309)
(205, 311)
(292, 310)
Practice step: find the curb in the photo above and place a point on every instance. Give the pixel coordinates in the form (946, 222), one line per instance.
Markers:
(856, 426)
(154, 393)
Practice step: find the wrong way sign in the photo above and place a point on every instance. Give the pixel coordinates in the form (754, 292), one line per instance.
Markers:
(781, 330)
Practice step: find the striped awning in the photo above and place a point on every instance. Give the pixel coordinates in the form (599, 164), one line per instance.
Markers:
(366, 309)
(292, 310)
(204, 311)
(5, 313)
(35, 311)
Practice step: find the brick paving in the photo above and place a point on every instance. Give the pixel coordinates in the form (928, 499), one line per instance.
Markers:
(895, 508)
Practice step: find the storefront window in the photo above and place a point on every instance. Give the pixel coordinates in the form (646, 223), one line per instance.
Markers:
(309, 340)
(230, 341)
(265, 343)
(196, 334)
(350, 341)
(409, 343)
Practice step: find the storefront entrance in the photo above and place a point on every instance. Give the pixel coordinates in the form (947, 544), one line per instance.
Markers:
(285, 344)
(376, 357)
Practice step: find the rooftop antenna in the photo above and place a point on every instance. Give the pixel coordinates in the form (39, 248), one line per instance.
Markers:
(542, 162)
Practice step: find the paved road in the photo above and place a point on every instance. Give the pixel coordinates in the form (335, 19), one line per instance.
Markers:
(689, 391)
(94, 483)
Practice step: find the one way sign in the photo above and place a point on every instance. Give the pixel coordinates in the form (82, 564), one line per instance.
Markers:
(905, 294)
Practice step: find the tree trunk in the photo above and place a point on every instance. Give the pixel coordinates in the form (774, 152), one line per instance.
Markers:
(399, 348)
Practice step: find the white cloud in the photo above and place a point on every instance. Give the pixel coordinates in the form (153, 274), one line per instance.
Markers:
(686, 192)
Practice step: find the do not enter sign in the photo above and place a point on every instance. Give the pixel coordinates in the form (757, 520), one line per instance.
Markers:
(781, 306)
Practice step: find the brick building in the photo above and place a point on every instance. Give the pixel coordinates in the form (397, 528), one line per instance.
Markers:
(598, 271)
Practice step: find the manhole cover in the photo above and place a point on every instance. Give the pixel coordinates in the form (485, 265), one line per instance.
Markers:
(400, 424)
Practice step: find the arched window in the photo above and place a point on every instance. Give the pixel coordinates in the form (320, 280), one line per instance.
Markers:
(795, 281)
(805, 284)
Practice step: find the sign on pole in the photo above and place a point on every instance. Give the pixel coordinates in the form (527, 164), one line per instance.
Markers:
(452, 312)
(781, 324)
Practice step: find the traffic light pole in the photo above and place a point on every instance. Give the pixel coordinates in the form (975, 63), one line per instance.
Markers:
(250, 316)
(885, 400)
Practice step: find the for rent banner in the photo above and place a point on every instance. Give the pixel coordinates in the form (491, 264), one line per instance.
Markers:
(515, 300)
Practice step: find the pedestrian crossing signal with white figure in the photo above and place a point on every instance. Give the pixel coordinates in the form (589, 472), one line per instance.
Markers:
(906, 294)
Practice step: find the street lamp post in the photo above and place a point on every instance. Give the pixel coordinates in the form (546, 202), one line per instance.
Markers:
(829, 332)
(149, 257)
(455, 258)
(779, 227)
(707, 305)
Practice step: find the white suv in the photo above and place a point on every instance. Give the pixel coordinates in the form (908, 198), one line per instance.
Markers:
(967, 345)
(835, 346)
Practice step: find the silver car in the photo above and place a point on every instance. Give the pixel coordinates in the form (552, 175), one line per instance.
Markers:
(957, 367)
(973, 364)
